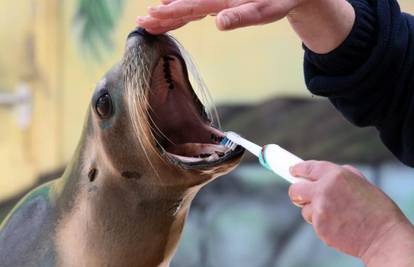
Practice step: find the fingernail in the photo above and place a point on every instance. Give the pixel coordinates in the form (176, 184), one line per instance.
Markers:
(225, 21)
(297, 204)
(154, 8)
(291, 169)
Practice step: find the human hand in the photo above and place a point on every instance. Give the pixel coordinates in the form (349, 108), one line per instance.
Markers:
(351, 215)
(231, 14)
(322, 25)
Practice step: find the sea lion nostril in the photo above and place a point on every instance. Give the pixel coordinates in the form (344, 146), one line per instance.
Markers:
(92, 174)
(139, 31)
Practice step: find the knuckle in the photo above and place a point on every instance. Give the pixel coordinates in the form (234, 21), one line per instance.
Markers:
(352, 169)
(316, 168)
(334, 178)
(231, 3)
(325, 165)
(321, 210)
(304, 168)
(348, 166)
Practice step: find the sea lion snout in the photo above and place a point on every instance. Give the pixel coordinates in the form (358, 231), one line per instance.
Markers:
(139, 31)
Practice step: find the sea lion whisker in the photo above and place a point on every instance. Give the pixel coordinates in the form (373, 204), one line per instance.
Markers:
(158, 130)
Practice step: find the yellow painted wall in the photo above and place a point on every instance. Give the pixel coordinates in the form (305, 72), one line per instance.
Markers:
(38, 46)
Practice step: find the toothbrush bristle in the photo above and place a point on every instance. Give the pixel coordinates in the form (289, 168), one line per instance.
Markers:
(228, 143)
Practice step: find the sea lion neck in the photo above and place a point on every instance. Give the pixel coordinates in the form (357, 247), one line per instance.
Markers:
(115, 221)
(109, 226)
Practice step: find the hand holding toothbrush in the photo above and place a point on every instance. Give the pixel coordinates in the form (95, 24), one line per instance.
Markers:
(346, 211)
(352, 215)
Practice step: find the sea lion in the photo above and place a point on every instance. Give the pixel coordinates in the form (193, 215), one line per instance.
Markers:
(147, 148)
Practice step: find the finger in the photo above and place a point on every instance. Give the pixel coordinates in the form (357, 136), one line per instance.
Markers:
(239, 16)
(146, 21)
(164, 30)
(166, 2)
(312, 170)
(307, 213)
(248, 13)
(353, 170)
(156, 26)
(184, 8)
(301, 193)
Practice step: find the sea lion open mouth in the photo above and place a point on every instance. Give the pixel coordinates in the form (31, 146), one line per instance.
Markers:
(181, 126)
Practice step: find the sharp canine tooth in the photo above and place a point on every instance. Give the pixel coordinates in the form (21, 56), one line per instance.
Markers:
(220, 154)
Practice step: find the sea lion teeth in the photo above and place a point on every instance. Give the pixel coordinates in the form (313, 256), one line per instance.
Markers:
(219, 153)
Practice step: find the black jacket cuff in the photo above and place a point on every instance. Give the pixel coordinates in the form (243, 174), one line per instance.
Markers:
(356, 48)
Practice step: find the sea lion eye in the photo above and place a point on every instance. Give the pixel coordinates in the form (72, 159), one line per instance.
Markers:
(104, 106)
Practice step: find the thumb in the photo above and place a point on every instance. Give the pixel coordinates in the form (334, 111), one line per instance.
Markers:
(239, 16)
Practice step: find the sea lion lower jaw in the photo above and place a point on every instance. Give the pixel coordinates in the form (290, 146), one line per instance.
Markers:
(147, 148)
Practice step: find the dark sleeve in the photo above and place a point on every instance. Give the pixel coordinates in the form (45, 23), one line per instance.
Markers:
(370, 76)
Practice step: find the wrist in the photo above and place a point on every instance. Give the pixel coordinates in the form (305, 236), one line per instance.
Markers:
(393, 246)
(322, 24)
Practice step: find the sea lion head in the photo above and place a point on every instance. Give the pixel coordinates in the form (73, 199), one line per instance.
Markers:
(149, 124)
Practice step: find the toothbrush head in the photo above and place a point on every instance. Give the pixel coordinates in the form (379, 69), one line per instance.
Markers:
(227, 142)
(232, 140)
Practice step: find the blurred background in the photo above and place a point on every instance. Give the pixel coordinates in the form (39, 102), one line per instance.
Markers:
(54, 51)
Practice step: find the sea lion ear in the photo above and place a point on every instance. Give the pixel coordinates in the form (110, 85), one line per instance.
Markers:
(103, 105)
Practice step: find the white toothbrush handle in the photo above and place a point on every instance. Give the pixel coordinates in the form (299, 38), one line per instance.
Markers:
(279, 161)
